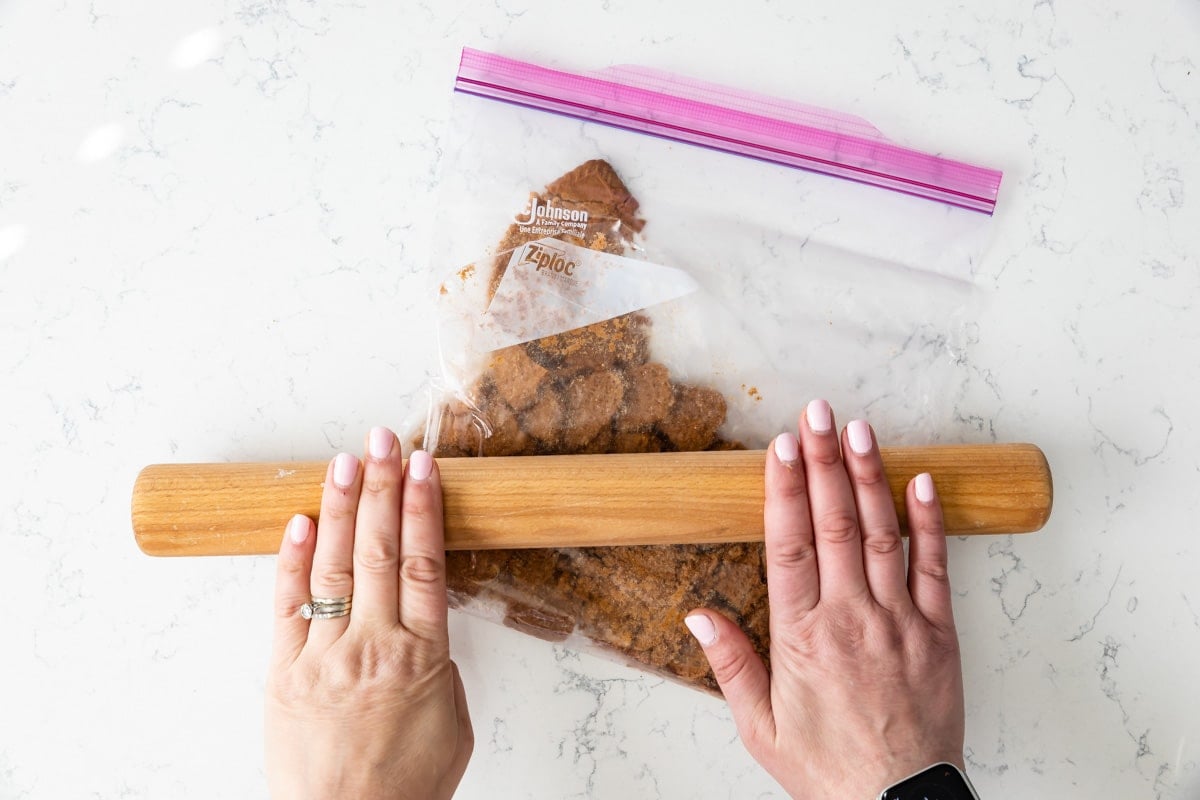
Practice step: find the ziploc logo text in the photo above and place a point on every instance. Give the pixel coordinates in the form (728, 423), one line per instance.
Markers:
(547, 258)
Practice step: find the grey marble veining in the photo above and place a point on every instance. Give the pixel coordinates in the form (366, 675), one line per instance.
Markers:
(215, 223)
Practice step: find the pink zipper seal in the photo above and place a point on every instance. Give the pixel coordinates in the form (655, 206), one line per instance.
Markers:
(726, 119)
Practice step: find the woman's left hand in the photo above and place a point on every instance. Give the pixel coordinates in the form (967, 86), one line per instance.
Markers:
(367, 705)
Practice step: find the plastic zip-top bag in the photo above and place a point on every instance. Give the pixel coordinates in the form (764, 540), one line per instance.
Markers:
(629, 261)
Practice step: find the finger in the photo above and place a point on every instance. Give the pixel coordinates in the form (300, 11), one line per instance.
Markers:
(333, 561)
(792, 585)
(883, 552)
(292, 571)
(928, 576)
(423, 551)
(831, 503)
(740, 673)
(377, 532)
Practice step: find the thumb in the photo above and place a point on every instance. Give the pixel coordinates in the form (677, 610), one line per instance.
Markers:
(740, 673)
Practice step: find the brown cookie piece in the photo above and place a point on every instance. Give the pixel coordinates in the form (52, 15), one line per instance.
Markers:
(469, 572)
(694, 418)
(603, 443)
(459, 433)
(505, 437)
(547, 625)
(635, 442)
(590, 401)
(649, 396)
(620, 341)
(516, 377)
(595, 187)
(544, 419)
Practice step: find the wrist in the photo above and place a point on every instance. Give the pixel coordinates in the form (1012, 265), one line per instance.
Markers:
(944, 780)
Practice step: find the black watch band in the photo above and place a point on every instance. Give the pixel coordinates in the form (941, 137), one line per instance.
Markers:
(942, 781)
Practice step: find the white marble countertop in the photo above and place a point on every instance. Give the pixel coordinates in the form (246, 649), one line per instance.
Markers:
(214, 225)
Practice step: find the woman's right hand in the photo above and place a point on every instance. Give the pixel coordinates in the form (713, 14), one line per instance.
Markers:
(865, 686)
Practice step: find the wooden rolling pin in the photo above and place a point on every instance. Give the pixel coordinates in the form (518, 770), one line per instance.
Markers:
(561, 501)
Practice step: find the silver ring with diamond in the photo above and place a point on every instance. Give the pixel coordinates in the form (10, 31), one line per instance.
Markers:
(326, 607)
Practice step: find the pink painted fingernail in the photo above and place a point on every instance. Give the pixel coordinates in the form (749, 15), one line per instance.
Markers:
(702, 628)
(345, 470)
(859, 434)
(820, 416)
(420, 465)
(379, 443)
(297, 529)
(923, 487)
(787, 449)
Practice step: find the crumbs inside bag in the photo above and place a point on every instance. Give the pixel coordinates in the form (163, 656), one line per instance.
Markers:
(563, 387)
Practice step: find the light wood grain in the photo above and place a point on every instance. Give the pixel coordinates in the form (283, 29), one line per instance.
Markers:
(560, 501)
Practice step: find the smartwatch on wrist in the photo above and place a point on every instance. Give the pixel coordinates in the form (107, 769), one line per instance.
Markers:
(940, 782)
